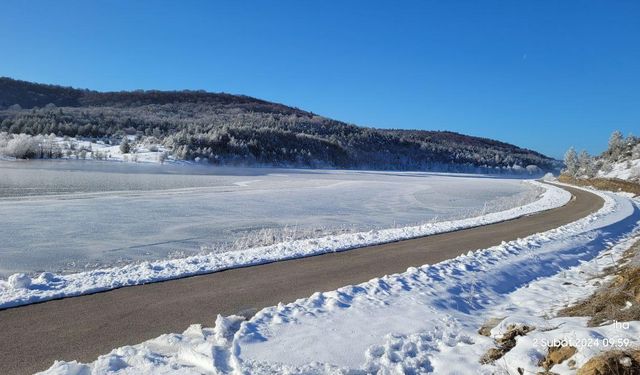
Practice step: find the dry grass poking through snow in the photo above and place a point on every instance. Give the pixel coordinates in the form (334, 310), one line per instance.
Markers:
(609, 184)
(615, 362)
(556, 355)
(619, 300)
(504, 343)
(616, 301)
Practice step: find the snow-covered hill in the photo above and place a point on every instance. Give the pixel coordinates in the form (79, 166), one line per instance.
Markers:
(621, 160)
(238, 130)
(625, 170)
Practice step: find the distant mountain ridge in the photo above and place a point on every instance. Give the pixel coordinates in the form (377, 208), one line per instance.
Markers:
(241, 130)
(29, 95)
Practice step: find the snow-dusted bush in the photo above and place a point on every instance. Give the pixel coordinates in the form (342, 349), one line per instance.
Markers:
(20, 146)
(125, 146)
(162, 157)
(24, 146)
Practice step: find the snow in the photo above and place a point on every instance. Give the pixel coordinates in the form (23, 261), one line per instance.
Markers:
(103, 214)
(56, 286)
(625, 170)
(140, 153)
(423, 320)
(19, 281)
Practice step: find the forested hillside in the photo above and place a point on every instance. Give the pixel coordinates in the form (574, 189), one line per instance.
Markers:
(240, 130)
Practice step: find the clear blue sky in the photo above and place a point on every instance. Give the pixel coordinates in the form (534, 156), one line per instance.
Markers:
(540, 74)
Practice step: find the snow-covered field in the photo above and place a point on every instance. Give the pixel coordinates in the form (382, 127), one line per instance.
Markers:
(424, 320)
(96, 150)
(70, 216)
(147, 150)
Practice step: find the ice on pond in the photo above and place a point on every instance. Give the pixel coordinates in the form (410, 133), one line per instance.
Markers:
(66, 216)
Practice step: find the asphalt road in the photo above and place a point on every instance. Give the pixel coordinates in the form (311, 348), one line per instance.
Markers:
(81, 328)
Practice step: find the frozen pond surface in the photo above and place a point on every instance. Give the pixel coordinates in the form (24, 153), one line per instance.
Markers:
(66, 216)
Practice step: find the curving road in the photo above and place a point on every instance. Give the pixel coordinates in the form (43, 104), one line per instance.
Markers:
(81, 328)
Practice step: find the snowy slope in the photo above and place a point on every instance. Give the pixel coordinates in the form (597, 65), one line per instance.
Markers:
(625, 170)
(20, 289)
(422, 321)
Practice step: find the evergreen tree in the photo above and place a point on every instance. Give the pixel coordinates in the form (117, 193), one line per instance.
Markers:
(586, 164)
(616, 143)
(571, 162)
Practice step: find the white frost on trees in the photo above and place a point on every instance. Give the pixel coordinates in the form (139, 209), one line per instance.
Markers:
(586, 164)
(125, 146)
(571, 162)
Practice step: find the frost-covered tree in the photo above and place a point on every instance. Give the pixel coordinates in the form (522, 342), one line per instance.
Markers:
(125, 146)
(571, 162)
(21, 146)
(586, 164)
(616, 144)
(532, 169)
(635, 151)
(162, 157)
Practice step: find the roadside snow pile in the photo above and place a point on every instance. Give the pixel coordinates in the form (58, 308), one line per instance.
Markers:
(19, 281)
(205, 348)
(425, 320)
(49, 287)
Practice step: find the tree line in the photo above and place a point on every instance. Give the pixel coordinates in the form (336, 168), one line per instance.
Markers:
(228, 129)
